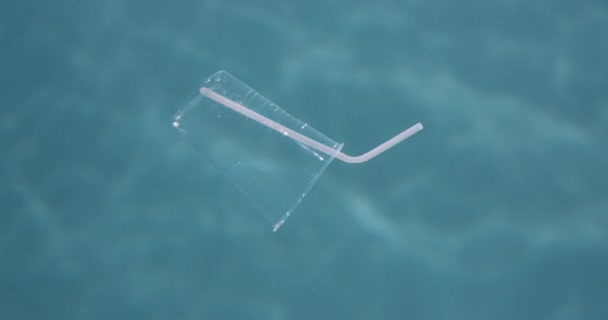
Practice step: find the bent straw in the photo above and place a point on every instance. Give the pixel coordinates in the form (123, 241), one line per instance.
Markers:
(304, 139)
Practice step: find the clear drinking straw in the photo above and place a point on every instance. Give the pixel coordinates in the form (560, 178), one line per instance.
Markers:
(306, 140)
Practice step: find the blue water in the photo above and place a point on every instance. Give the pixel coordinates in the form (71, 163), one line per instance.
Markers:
(497, 210)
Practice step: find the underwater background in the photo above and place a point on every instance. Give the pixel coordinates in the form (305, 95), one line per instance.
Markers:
(498, 209)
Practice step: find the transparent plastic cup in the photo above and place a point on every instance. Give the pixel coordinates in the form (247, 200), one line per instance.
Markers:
(273, 158)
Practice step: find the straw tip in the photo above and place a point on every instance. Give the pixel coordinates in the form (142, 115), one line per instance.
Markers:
(204, 91)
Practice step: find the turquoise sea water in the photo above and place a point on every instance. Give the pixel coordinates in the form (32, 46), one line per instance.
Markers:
(497, 210)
